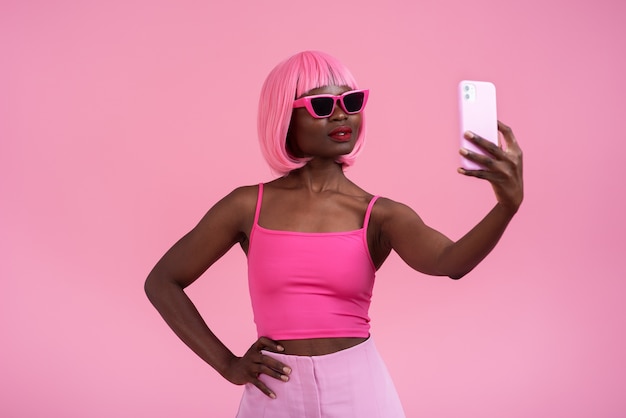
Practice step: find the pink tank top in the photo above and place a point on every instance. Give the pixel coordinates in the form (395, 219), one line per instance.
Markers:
(310, 284)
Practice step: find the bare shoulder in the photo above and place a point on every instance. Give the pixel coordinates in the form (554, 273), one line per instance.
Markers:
(234, 211)
(390, 222)
(387, 210)
(242, 197)
(393, 219)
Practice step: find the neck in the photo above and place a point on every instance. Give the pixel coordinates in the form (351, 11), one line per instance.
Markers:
(318, 177)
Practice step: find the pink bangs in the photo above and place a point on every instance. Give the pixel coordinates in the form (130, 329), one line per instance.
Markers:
(290, 79)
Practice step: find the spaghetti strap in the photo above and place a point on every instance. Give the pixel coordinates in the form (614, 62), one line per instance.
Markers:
(366, 222)
(258, 205)
(368, 212)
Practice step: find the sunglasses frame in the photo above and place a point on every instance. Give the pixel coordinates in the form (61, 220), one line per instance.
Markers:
(306, 102)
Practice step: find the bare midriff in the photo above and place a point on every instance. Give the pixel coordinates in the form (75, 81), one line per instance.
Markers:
(319, 346)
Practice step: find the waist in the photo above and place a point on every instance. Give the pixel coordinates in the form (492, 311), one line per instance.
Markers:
(319, 346)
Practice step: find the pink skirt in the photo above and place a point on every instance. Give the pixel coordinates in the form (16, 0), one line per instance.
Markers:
(349, 383)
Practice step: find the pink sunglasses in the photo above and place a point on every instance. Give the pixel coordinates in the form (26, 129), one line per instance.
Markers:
(323, 105)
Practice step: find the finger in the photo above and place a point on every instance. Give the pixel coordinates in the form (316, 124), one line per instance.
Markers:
(276, 374)
(484, 144)
(507, 134)
(263, 388)
(271, 345)
(483, 160)
(481, 174)
(276, 365)
(513, 150)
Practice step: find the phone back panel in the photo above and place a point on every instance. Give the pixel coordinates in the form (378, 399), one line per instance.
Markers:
(477, 105)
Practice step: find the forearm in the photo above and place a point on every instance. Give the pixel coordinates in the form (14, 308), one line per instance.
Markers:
(461, 257)
(181, 315)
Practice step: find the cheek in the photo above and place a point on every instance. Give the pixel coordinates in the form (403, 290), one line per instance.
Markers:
(358, 123)
(296, 135)
(304, 126)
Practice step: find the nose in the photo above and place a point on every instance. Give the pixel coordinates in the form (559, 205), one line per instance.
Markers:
(338, 112)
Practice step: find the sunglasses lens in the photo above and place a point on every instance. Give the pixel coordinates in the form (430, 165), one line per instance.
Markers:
(323, 106)
(354, 101)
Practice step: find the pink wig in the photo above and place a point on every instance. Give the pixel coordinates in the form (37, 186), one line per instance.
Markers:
(289, 80)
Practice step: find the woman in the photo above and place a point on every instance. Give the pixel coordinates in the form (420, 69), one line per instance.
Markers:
(314, 241)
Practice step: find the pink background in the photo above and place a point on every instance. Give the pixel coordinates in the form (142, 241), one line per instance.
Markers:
(122, 122)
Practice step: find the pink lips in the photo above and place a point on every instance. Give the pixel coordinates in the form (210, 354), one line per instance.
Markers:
(341, 133)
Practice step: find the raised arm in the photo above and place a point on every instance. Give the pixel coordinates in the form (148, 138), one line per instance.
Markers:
(429, 251)
(224, 225)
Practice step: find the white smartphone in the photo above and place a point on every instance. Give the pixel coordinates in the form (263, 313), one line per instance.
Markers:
(477, 107)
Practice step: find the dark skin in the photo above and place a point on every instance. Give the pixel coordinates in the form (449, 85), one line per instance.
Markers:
(320, 198)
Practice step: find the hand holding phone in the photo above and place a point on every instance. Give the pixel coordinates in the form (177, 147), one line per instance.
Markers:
(477, 107)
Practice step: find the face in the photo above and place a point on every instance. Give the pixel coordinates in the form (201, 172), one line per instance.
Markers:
(323, 138)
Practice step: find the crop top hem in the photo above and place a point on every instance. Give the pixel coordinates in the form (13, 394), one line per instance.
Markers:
(308, 334)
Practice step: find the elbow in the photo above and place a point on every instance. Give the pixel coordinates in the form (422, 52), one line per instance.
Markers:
(160, 287)
(457, 275)
(456, 272)
(154, 287)
(453, 272)
(150, 287)
(451, 265)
